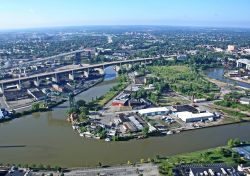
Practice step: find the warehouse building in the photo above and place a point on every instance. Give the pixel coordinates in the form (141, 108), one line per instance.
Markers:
(37, 94)
(154, 111)
(191, 117)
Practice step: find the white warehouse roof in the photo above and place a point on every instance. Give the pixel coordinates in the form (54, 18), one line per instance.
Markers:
(244, 61)
(153, 110)
(190, 117)
(134, 121)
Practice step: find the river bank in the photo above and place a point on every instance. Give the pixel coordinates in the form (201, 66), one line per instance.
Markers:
(218, 75)
(97, 128)
(49, 107)
(49, 140)
(226, 75)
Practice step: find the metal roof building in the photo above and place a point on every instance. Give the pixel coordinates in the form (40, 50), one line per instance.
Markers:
(154, 111)
(190, 117)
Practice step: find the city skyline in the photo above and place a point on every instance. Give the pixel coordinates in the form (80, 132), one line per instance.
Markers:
(35, 14)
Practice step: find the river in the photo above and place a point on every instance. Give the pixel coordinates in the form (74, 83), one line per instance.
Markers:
(48, 139)
(218, 73)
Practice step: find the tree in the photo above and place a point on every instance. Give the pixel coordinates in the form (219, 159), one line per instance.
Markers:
(72, 110)
(142, 161)
(84, 110)
(145, 130)
(58, 168)
(48, 167)
(233, 142)
(237, 142)
(35, 106)
(230, 143)
(80, 103)
(41, 167)
(153, 97)
(33, 166)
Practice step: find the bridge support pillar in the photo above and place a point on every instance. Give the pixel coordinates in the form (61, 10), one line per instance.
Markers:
(19, 86)
(86, 74)
(37, 82)
(55, 79)
(71, 77)
(117, 68)
(2, 89)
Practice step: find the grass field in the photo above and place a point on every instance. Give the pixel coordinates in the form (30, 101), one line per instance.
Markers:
(183, 79)
(223, 155)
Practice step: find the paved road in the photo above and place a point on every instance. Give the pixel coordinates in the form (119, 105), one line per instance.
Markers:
(145, 169)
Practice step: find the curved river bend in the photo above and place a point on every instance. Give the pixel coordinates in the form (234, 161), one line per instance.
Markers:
(48, 139)
(218, 74)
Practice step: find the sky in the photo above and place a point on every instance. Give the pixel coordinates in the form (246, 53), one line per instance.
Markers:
(16, 14)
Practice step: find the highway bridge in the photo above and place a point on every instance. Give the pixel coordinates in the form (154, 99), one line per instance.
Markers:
(71, 71)
(50, 58)
(53, 57)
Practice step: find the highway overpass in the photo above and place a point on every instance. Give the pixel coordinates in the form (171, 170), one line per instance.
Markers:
(102, 66)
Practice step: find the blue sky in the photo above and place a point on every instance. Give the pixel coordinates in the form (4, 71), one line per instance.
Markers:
(46, 13)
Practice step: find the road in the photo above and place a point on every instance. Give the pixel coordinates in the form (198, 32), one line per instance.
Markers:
(102, 65)
(144, 169)
(47, 58)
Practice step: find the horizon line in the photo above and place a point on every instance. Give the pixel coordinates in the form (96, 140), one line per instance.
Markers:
(123, 25)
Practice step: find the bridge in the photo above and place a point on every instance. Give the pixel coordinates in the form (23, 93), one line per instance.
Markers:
(54, 57)
(71, 71)
(50, 58)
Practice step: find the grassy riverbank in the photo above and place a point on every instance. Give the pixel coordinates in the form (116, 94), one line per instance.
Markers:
(223, 154)
(122, 83)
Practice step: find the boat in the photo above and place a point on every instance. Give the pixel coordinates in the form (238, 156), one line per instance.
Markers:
(107, 139)
(81, 134)
(170, 132)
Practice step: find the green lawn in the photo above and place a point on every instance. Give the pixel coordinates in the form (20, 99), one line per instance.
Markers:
(111, 94)
(216, 155)
(168, 101)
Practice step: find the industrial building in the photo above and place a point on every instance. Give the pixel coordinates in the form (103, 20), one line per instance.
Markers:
(245, 101)
(121, 100)
(191, 117)
(139, 80)
(37, 94)
(205, 170)
(129, 123)
(154, 111)
(243, 63)
(15, 95)
(243, 151)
